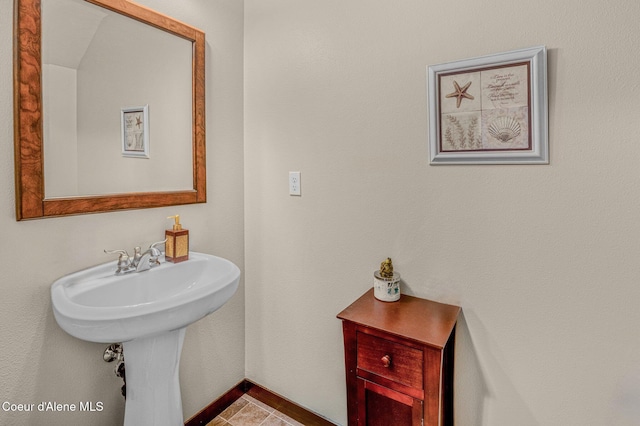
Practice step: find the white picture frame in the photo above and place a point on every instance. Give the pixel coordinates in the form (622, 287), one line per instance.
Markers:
(489, 110)
(135, 131)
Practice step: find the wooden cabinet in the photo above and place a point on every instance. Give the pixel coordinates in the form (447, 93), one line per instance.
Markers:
(399, 361)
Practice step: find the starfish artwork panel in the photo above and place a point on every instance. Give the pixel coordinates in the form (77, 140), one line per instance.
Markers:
(460, 93)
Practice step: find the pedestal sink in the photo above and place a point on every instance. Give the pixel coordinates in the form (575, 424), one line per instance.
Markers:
(149, 312)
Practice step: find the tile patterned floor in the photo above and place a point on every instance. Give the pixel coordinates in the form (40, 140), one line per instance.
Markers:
(248, 411)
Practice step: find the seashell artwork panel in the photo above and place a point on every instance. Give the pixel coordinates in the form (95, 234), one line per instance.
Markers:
(505, 128)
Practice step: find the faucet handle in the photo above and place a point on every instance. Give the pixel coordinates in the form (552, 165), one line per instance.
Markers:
(153, 246)
(155, 253)
(123, 260)
(120, 252)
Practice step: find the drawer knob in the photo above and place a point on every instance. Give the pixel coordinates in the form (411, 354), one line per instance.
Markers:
(386, 361)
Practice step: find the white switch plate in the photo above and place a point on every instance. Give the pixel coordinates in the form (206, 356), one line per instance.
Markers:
(294, 183)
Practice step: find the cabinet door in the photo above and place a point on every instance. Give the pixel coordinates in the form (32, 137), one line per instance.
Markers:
(381, 406)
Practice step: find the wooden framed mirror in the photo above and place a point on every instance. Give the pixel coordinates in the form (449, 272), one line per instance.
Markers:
(29, 136)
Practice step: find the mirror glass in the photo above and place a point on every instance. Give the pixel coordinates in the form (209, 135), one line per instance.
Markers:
(116, 103)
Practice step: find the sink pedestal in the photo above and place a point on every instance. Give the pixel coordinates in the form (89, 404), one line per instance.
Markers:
(153, 386)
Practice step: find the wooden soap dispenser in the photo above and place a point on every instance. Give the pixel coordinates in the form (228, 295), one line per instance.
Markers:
(177, 245)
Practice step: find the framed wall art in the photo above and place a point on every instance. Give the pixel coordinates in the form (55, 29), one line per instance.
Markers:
(489, 110)
(135, 131)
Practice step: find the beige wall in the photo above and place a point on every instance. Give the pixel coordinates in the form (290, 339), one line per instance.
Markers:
(542, 259)
(39, 362)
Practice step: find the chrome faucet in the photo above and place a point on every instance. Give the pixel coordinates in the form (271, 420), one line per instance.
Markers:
(141, 261)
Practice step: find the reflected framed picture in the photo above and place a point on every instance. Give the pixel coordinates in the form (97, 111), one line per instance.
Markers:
(489, 110)
(135, 131)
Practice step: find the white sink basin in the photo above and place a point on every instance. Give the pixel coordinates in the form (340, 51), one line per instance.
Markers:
(99, 306)
(147, 311)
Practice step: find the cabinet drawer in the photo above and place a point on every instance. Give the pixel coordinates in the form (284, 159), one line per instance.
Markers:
(394, 361)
